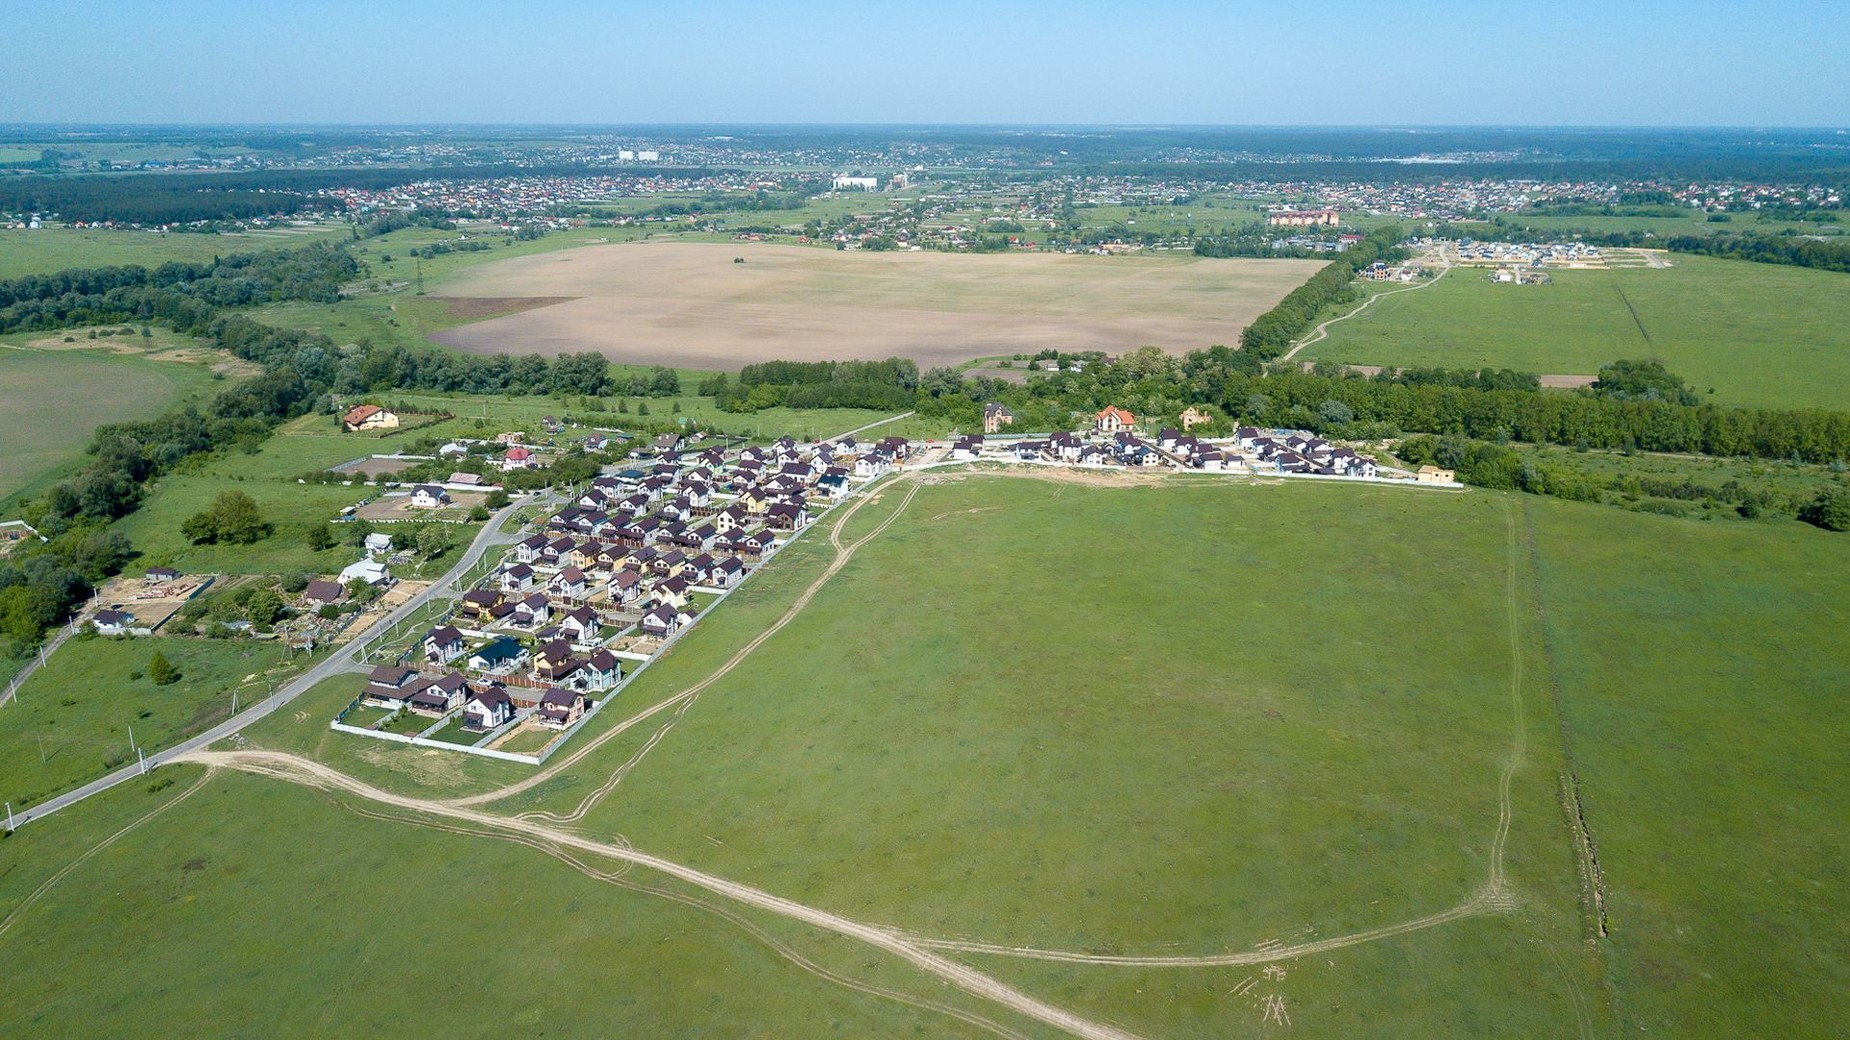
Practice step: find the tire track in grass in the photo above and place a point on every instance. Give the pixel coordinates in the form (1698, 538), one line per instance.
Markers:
(618, 878)
(295, 769)
(843, 554)
(51, 882)
(685, 700)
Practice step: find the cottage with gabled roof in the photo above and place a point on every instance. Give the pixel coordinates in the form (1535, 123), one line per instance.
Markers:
(369, 417)
(499, 656)
(489, 708)
(559, 708)
(1113, 419)
(663, 621)
(112, 622)
(443, 644)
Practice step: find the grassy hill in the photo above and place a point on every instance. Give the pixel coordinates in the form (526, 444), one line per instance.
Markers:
(1190, 720)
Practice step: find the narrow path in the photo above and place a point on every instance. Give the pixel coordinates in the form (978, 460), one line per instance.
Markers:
(51, 882)
(871, 425)
(1322, 331)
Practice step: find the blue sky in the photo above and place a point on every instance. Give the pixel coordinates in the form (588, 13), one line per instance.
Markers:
(1327, 62)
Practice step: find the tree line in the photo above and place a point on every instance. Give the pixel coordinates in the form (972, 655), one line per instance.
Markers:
(1272, 333)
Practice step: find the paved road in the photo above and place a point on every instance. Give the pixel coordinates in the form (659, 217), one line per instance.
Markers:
(343, 659)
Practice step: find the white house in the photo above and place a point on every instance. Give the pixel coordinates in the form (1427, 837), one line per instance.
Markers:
(368, 571)
(429, 496)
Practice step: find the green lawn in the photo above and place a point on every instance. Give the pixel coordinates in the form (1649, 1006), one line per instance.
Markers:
(1758, 334)
(1198, 718)
(269, 476)
(48, 745)
(55, 398)
(528, 741)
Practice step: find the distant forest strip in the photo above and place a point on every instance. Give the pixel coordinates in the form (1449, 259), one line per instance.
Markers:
(168, 198)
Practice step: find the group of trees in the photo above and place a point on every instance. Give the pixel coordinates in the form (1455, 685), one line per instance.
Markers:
(233, 518)
(187, 297)
(888, 384)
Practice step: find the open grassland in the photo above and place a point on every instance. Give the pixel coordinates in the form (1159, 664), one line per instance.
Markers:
(1702, 670)
(74, 714)
(690, 304)
(261, 908)
(54, 398)
(1759, 334)
(1211, 720)
(55, 249)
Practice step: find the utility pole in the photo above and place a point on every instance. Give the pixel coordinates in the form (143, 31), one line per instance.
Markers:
(142, 762)
(9, 816)
(131, 738)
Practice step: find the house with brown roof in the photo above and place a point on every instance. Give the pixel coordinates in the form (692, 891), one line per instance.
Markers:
(559, 708)
(369, 417)
(1113, 420)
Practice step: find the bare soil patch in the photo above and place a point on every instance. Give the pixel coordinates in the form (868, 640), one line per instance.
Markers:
(690, 305)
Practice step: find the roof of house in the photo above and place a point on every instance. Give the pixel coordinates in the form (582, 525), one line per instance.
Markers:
(114, 617)
(499, 649)
(325, 591)
(360, 413)
(390, 675)
(492, 697)
(1112, 410)
(444, 635)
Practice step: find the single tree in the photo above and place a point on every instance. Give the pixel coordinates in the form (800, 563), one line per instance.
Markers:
(319, 537)
(432, 541)
(263, 608)
(162, 670)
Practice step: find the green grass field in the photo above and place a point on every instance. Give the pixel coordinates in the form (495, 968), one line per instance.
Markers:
(54, 249)
(1759, 334)
(48, 745)
(55, 398)
(1187, 720)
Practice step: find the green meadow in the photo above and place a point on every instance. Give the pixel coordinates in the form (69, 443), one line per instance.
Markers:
(45, 250)
(1757, 334)
(71, 721)
(55, 397)
(1196, 719)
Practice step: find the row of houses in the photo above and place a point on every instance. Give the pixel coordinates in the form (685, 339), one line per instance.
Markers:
(485, 706)
(1303, 453)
